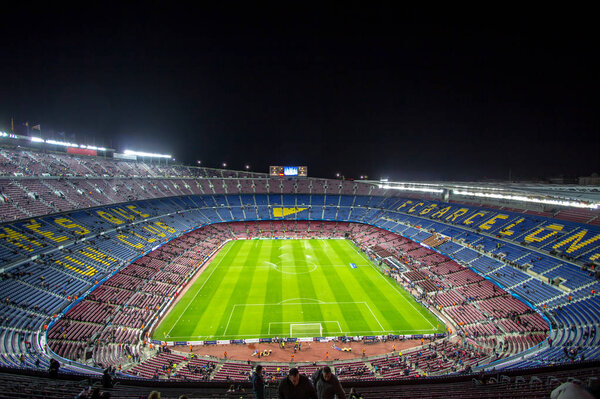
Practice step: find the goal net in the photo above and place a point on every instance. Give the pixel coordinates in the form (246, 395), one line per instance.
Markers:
(306, 330)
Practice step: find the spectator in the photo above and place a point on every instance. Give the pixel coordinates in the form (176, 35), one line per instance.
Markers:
(296, 386)
(258, 383)
(107, 379)
(54, 366)
(154, 395)
(327, 384)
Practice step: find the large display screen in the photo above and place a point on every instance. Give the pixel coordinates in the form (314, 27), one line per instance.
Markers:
(290, 171)
(300, 171)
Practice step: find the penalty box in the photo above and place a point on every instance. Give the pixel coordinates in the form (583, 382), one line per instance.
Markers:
(268, 320)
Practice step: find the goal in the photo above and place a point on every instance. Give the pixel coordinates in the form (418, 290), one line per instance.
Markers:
(306, 330)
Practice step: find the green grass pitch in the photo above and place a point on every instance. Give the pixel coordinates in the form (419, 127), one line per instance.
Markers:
(300, 288)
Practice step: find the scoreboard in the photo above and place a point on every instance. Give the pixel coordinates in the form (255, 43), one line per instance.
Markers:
(299, 171)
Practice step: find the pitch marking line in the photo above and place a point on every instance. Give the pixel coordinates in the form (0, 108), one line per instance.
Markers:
(270, 266)
(391, 285)
(284, 303)
(205, 281)
(302, 299)
(354, 333)
(305, 322)
(296, 303)
(375, 317)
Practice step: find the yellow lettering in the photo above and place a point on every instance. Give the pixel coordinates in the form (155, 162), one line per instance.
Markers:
(109, 217)
(123, 239)
(457, 214)
(150, 240)
(488, 224)
(154, 230)
(97, 256)
(469, 220)
(133, 209)
(441, 212)
(577, 241)
(428, 209)
(552, 228)
(406, 203)
(89, 272)
(507, 230)
(595, 256)
(165, 227)
(413, 208)
(36, 227)
(18, 239)
(69, 224)
(121, 212)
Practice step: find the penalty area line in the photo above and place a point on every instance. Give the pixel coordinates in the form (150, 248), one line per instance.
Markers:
(376, 319)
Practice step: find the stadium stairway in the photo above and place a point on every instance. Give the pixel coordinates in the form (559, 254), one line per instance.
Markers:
(218, 367)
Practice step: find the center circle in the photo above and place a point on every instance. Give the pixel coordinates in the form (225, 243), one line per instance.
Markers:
(299, 267)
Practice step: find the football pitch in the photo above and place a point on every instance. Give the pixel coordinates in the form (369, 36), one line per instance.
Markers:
(293, 288)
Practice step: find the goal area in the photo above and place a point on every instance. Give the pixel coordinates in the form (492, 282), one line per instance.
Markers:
(302, 330)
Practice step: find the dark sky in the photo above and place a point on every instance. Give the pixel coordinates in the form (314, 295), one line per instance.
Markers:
(385, 91)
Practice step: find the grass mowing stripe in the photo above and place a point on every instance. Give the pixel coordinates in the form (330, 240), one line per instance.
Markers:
(356, 276)
(337, 286)
(216, 300)
(386, 305)
(239, 293)
(246, 275)
(306, 286)
(241, 316)
(386, 299)
(230, 245)
(259, 249)
(351, 276)
(274, 289)
(418, 308)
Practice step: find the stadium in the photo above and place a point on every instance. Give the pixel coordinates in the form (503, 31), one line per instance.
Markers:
(292, 200)
(183, 278)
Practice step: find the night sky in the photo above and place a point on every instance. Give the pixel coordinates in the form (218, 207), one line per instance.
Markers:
(385, 91)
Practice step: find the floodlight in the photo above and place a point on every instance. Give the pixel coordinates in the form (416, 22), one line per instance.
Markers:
(146, 154)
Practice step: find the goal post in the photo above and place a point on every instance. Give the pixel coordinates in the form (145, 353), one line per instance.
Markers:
(302, 330)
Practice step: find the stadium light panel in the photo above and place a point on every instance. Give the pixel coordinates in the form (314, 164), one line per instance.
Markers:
(523, 198)
(61, 143)
(411, 188)
(92, 147)
(146, 154)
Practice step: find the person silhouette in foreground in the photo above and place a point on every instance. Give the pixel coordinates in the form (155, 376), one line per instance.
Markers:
(327, 384)
(296, 386)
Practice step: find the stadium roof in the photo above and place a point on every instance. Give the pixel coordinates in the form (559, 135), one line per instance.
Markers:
(547, 194)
